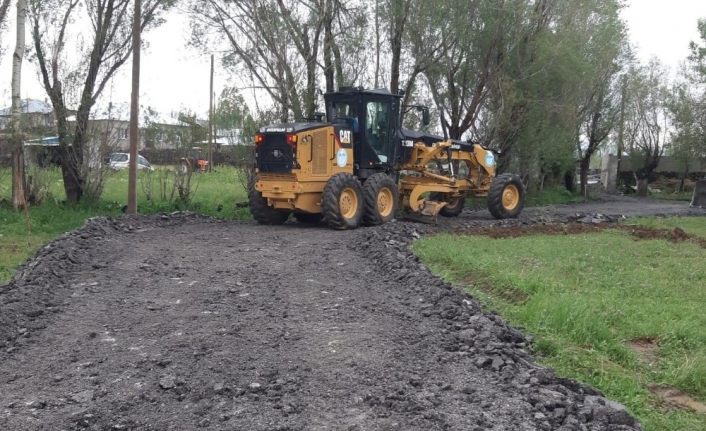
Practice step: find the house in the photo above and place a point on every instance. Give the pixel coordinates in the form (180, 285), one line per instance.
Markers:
(37, 115)
(112, 134)
(171, 132)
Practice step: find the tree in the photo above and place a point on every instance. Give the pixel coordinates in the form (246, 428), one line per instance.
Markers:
(275, 42)
(4, 8)
(19, 186)
(233, 118)
(107, 48)
(601, 60)
(647, 121)
(688, 116)
(687, 107)
(697, 56)
(398, 13)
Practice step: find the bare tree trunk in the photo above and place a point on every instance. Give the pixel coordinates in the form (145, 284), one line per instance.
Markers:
(684, 175)
(399, 13)
(584, 166)
(19, 186)
(642, 188)
(377, 44)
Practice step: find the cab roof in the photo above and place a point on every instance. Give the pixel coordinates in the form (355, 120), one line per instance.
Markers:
(361, 90)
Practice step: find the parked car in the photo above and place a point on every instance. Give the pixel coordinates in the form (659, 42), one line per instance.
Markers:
(119, 161)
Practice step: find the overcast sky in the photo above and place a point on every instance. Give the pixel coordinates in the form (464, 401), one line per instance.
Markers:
(175, 77)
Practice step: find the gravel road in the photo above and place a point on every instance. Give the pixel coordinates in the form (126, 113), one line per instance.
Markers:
(181, 322)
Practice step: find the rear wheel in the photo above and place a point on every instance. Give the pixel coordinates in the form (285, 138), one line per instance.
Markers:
(380, 192)
(308, 218)
(263, 213)
(342, 202)
(506, 198)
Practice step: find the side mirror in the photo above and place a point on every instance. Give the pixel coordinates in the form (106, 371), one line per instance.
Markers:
(426, 118)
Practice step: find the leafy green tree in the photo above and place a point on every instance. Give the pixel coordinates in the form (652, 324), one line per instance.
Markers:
(646, 120)
(103, 49)
(232, 116)
(697, 56)
(688, 117)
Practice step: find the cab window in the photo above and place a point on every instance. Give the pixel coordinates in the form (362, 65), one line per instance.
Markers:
(378, 127)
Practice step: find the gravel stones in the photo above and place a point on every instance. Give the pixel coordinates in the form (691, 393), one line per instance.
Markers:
(300, 343)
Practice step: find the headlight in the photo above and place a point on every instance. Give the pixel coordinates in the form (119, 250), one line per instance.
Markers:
(489, 158)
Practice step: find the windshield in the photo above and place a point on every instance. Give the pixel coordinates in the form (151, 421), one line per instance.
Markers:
(118, 157)
(341, 110)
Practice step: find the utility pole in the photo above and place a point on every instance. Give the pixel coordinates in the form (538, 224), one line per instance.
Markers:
(210, 121)
(134, 110)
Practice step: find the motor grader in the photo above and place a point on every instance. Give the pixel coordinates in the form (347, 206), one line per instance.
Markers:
(360, 166)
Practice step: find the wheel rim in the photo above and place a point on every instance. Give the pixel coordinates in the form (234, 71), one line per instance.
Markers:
(511, 197)
(348, 203)
(385, 202)
(453, 204)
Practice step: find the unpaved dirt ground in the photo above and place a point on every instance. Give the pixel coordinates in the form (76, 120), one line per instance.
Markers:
(181, 322)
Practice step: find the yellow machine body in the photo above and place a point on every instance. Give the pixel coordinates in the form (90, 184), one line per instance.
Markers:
(318, 156)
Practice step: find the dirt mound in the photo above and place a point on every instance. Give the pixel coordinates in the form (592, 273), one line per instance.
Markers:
(675, 235)
(673, 398)
(497, 232)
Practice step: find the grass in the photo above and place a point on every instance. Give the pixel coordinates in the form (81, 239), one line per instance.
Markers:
(215, 194)
(674, 196)
(552, 196)
(585, 296)
(549, 196)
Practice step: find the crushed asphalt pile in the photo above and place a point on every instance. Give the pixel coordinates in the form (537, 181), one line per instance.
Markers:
(183, 322)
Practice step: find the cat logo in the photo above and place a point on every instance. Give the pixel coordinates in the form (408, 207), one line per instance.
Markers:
(345, 137)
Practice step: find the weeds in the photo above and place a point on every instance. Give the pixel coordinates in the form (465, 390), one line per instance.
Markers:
(588, 296)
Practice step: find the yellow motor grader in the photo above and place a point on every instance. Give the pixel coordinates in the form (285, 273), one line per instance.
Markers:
(360, 165)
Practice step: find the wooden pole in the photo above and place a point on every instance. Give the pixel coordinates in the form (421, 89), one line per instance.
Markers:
(210, 121)
(134, 110)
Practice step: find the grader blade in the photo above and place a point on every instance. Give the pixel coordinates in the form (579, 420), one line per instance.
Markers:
(428, 214)
(420, 218)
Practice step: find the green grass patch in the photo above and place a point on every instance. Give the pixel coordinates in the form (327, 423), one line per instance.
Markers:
(674, 196)
(552, 196)
(549, 196)
(215, 193)
(585, 296)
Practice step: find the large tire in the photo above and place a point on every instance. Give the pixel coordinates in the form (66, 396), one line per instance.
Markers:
(342, 202)
(506, 198)
(381, 199)
(307, 218)
(453, 208)
(263, 213)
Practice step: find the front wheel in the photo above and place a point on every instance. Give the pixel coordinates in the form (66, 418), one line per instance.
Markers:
(342, 202)
(506, 198)
(453, 208)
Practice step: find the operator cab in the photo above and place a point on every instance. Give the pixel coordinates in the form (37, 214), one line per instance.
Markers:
(373, 116)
